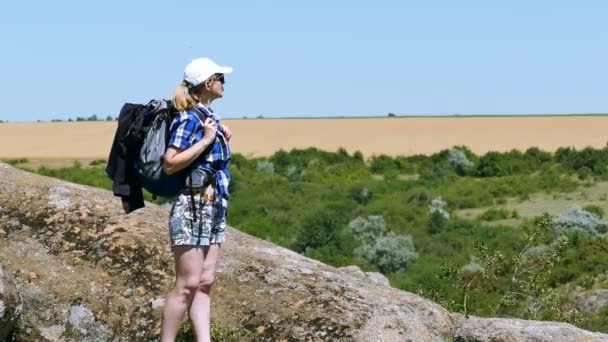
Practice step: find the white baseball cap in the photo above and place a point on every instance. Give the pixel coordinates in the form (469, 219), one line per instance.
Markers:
(201, 69)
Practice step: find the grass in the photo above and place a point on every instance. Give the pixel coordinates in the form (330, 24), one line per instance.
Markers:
(540, 203)
(54, 163)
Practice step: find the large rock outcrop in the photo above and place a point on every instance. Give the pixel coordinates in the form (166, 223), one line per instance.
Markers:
(88, 272)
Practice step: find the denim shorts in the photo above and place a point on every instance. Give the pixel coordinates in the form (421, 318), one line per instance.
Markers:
(208, 228)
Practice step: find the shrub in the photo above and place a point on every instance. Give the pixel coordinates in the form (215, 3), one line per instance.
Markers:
(358, 155)
(459, 160)
(495, 214)
(437, 205)
(16, 161)
(391, 253)
(537, 156)
(361, 194)
(319, 229)
(265, 166)
(417, 196)
(584, 173)
(578, 219)
(281, 159)
(293, 174)
(592, 160)
(382, 163)
(97, 162)
(438, 217)
(489, 165)
(594, 209)
(367, 229)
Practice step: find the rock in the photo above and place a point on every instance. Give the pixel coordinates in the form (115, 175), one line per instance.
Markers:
(88, 272)
(377, 278)
(475, 329)
(373, 277)
(10, 304)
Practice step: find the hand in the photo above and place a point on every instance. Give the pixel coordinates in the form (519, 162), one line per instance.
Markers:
(209, 129)
(227, 132)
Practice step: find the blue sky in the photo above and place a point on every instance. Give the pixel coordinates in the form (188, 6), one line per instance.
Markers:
(62, 59)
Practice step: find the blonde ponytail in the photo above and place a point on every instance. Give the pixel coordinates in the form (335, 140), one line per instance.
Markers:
(182, 99)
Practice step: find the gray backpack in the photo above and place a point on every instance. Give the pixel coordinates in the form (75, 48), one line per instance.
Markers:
(151, 172)
(160, 114)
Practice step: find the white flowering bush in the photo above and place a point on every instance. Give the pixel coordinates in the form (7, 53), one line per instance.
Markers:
(265, 166)
(438, 205)
(472, 268)
(459, 161)
(438, 216)
(292, 173)
(577, 219)
(391, 253)
(367, 229)
(388, 251)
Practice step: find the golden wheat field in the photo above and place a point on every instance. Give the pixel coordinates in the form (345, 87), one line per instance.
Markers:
(371, 136)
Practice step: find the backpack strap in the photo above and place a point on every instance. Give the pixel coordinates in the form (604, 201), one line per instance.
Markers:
(201, 115)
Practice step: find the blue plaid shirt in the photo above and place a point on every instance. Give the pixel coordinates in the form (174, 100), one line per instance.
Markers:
(186, 130)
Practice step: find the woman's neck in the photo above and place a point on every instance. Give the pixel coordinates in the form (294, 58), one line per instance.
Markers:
(206, 102)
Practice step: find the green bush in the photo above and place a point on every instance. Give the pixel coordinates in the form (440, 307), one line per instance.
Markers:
(594, 209)
(97, 162)
(15, 162)
(361, 194)
(495, 214)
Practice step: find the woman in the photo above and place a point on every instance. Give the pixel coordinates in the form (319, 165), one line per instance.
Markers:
(199, 147)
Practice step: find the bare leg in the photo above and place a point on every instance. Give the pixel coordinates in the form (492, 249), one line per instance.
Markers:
(188, 269)
(200, 309)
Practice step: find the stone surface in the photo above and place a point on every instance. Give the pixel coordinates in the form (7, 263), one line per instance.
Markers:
(10, 304)
(476, 329)
(373, 277)
(88, 272)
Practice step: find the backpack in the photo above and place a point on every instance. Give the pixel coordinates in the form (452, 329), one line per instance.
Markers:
(158, 116)
(154, 136)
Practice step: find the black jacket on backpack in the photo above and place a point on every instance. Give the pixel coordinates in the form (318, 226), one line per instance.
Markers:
(123, 154)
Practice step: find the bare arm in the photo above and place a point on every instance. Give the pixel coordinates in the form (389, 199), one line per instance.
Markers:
(177, 159)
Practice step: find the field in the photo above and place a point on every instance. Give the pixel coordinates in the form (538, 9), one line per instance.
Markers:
(371, 136)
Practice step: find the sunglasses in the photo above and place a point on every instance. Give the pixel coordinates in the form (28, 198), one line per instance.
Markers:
(218, 77)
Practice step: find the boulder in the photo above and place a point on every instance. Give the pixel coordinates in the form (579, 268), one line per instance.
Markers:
(476, 329)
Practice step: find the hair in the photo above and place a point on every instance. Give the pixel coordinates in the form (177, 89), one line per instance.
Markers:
(182, 99)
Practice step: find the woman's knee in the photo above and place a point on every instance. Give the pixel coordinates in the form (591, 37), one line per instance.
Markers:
(187, 287)
(206, 281)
